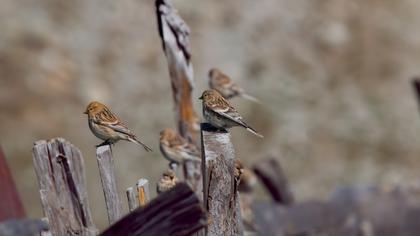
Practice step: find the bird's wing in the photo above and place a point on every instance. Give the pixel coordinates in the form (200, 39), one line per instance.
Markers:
(182, 145)
(230, 113)
(107, 119)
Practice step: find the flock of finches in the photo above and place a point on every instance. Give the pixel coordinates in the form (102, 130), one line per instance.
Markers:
(217, 111)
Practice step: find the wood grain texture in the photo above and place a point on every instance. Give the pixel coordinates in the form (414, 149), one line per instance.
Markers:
(131, 199)
(60, 171)
(10, 205)
(143, 191)
(220, 198)
(193, 177)
(174, 33)
(176, 212)
(109, 185)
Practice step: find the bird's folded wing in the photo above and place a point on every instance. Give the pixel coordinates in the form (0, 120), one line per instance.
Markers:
(231, 114)
(116, 126)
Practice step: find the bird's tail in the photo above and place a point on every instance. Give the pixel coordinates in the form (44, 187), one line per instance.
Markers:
(249, 97)
(134, 140)
(254, 132)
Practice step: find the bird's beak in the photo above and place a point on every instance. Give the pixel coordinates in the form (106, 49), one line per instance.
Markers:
(85, 112)
(201, 98)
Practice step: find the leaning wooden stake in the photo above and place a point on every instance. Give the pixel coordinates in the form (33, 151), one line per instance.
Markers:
(109, 185)
(220, 198)
(174, 33)
(60, 171)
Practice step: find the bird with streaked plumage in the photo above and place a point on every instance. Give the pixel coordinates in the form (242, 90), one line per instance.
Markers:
(223, 84)
(168, 181)
(219, 113)
(176, 149)
(107, 126)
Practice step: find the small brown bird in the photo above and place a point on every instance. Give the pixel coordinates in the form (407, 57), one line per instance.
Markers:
(167, 181)
(219, 113)
(176, 149)
(108, 127)
(223, 84)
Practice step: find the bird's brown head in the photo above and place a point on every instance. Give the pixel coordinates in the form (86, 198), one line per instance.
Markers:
(217, 78)
(213, 98)
(214, 72)
(167, 134)
(93, 108)
(169, 174)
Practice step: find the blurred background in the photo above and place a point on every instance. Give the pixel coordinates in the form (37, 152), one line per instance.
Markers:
(333, 76)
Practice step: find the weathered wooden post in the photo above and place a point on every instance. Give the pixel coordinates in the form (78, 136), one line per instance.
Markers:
(220, 197)
(143, 191)
(140, 196)
(131, 199)
(60, 171)
(109, 185)
(174, 33)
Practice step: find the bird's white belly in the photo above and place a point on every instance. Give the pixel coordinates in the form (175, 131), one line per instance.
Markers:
(103, 132)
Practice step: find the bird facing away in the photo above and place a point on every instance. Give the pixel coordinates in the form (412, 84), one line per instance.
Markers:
(108, 127)
(223, 84)
(176, 149)
(167, 181)
(219, 113)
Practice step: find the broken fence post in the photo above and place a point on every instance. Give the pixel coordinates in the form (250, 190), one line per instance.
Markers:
(220, 198)
(143, 191)
(60, 171)
(109, 185)
(174, 33)
(131, 199)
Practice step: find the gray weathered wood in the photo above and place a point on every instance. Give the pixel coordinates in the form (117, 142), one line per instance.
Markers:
(193, 177)
(109, 185)
(131, 199)
(143, 191)
(174, 33)
(60, 171)
(220, 198)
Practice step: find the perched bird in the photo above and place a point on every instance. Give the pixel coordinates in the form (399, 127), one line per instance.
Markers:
(219, 113)
(167, 181)
(108, 127)
(176, 149)
(223, 84)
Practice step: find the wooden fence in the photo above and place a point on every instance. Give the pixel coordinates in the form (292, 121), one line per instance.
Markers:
(206, 202)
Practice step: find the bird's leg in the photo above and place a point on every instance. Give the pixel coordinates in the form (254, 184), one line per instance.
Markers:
(106, 142)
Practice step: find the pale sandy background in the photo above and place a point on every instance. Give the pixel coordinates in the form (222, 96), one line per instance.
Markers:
(333, 76)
